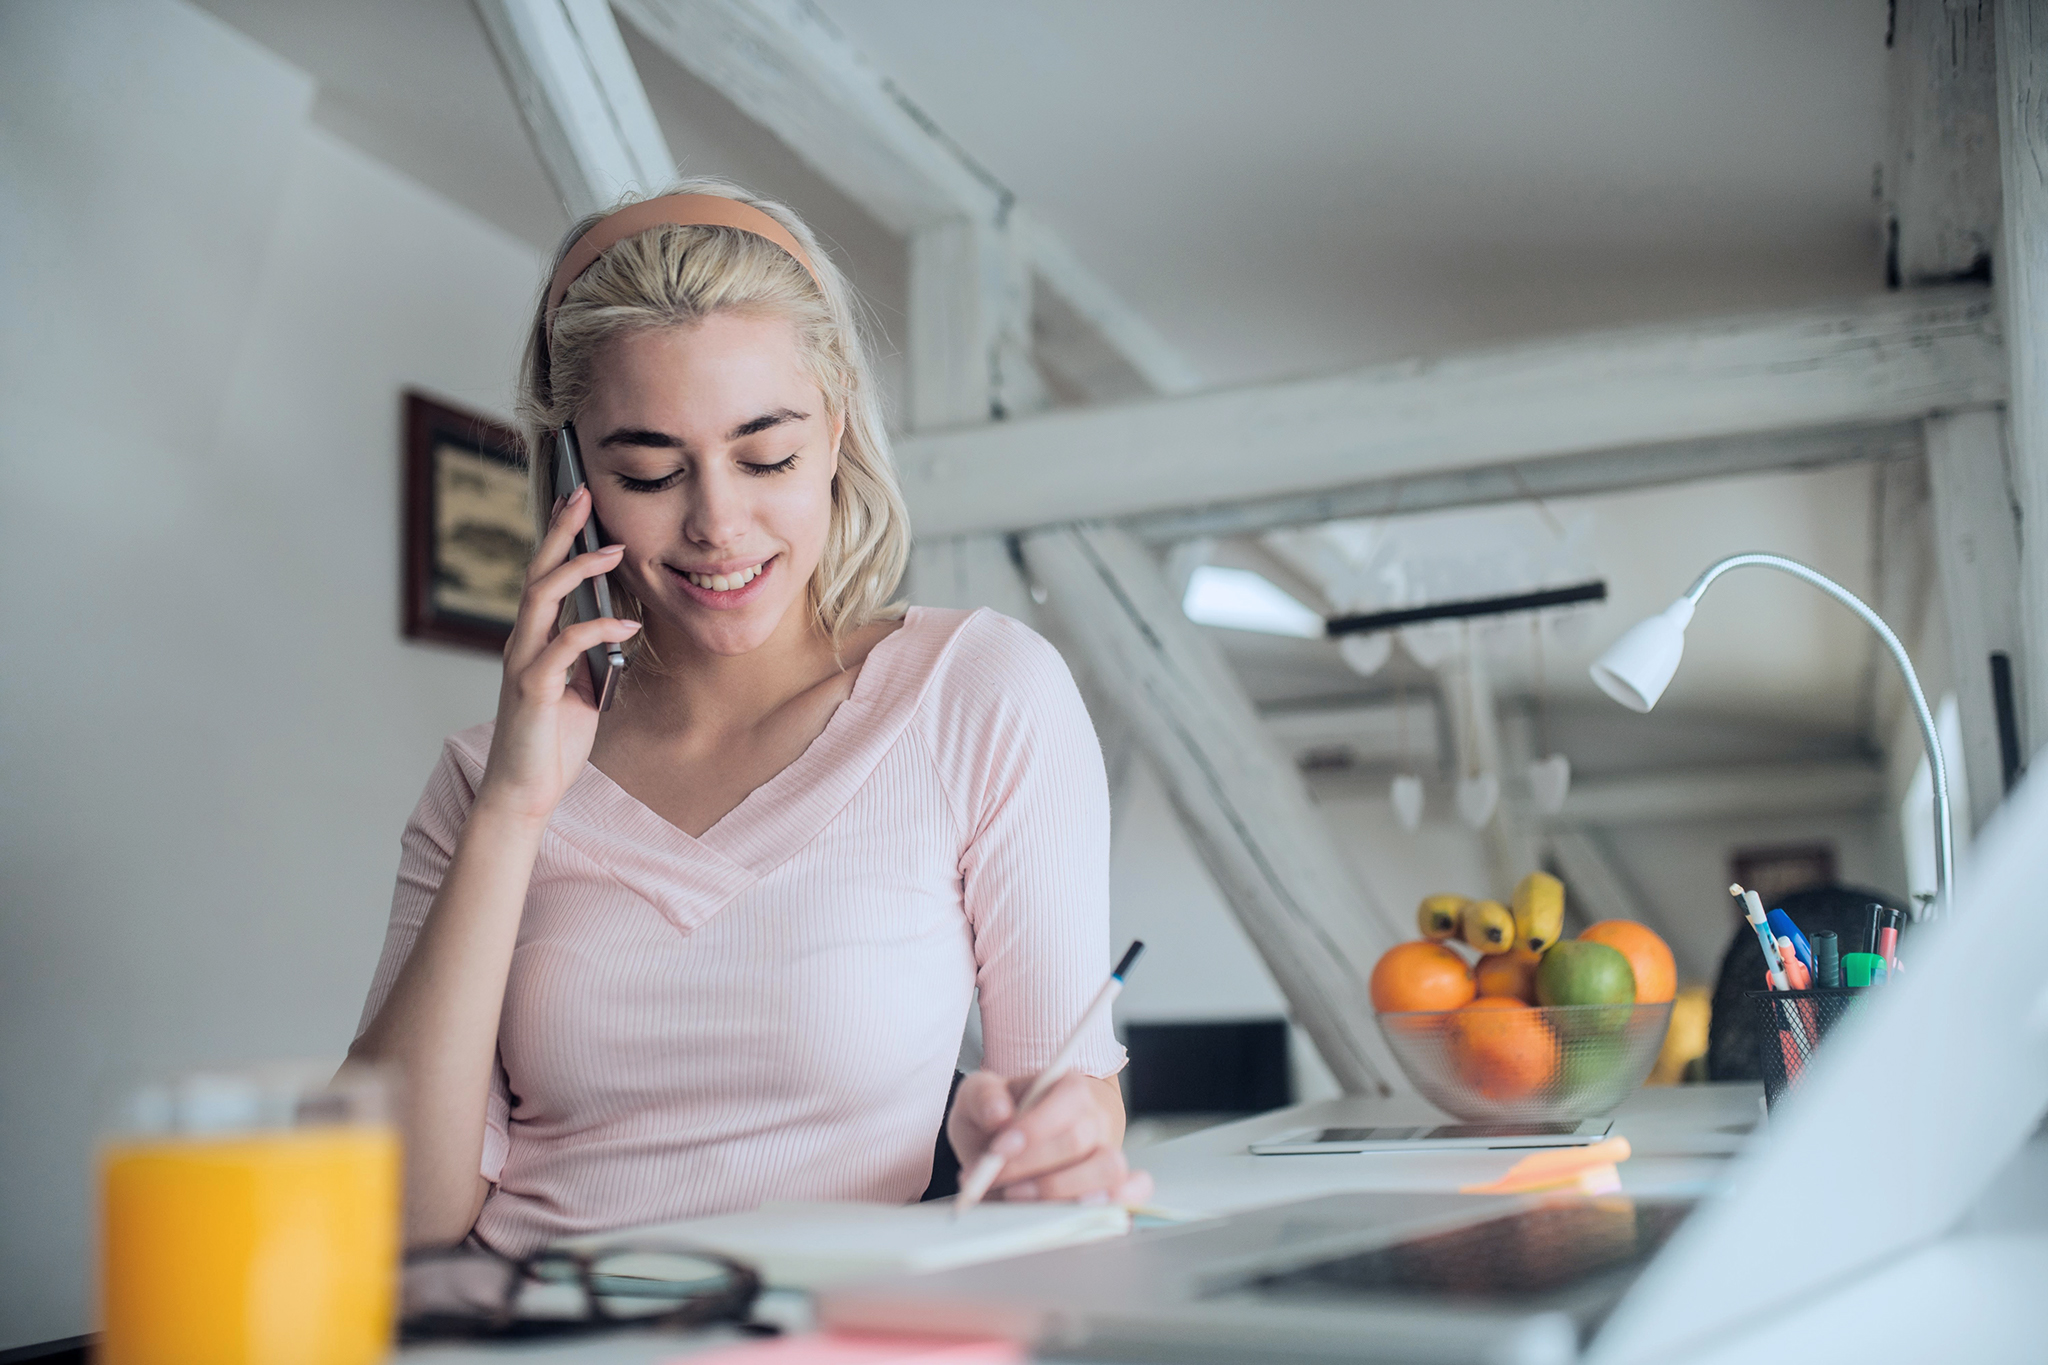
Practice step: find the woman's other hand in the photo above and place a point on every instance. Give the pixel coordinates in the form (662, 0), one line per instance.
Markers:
(547, 715)
(1069, 1147)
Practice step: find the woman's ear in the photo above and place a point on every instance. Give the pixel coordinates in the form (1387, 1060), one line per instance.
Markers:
(838, 433)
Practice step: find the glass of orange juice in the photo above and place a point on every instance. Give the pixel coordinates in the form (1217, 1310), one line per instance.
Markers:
(248, 1218)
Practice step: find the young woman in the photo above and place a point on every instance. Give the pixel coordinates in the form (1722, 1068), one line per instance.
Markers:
(717, 945)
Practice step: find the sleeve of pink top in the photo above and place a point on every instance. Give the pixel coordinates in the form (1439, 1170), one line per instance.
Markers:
(1013, 742)
(425, 851)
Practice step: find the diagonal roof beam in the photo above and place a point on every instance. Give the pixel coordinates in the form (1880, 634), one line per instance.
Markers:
(580, 97)
(1861, 364)
(791, 69)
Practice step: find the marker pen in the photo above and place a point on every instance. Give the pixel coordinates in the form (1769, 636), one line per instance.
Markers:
(1795, 970)
(1888, 922)
(1783, 927)
(1827, 959)
(1753, 911)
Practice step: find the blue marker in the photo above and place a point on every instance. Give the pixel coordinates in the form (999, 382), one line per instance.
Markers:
(1753, 911)
(1783, 927)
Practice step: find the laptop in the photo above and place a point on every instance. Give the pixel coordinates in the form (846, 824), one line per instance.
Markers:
(1910, 1110)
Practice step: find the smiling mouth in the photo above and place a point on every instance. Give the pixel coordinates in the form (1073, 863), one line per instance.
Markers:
(721, 582)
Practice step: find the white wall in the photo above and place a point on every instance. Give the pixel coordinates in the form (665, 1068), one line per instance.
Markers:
(212, 730)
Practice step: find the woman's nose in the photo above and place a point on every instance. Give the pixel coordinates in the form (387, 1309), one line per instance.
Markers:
(718, 514)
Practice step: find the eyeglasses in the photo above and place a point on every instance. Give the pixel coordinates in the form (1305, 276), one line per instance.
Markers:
(468, 1292)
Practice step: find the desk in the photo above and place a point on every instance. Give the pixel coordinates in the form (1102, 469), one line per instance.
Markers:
(1682, 1137)
(1986, 1277)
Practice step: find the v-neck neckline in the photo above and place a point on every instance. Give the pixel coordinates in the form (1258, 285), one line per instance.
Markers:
(690, 876)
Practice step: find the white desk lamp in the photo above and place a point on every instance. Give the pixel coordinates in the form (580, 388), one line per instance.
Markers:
(1637, 668)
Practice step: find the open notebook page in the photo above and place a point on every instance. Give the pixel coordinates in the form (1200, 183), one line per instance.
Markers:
(803, 1245)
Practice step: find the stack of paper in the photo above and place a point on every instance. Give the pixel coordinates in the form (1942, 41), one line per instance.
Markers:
(801, 1246)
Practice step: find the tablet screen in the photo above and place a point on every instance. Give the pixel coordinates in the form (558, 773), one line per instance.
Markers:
(1447, 1130)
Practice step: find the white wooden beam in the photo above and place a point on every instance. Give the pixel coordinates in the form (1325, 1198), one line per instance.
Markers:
(1563, 476)
(1977, 554)
(970, 327)
(1715, 793)
(1242, 802)
(1871, 361)
(1161, 364)
(1941, 173)
(581, 99)
(791, 69)
(2022, 273)
(965, 572)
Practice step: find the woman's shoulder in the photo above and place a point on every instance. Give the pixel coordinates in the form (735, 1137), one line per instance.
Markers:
(465, 752)
(989, 684)
(978, 652)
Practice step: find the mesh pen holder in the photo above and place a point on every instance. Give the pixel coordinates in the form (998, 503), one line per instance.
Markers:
(1790, 1028)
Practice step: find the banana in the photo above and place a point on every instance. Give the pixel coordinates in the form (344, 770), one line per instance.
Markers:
(1539, 911)
(1440, 915)
(1489, 927)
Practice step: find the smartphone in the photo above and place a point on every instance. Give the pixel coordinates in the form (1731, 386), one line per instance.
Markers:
(593, 597)
(1434, 1137)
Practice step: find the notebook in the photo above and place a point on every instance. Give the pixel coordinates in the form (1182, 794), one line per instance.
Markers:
(804, 1245)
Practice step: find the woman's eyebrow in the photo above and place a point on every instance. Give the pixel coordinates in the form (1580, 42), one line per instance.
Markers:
(661, 440)
(641, 436)
(764, 422)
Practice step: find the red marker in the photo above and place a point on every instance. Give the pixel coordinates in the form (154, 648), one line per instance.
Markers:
(1888, 922)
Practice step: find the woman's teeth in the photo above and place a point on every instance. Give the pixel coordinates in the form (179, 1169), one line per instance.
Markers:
(721, 582)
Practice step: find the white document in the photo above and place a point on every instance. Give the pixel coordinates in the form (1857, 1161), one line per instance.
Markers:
(804, 1245)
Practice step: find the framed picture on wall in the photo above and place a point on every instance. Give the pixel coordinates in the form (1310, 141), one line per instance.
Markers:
(1772, 872)
(468, 526)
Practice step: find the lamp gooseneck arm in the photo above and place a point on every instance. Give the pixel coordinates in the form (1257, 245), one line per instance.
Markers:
(1944, 831)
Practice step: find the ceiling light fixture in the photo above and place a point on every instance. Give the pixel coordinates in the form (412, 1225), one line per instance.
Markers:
(1242, 600)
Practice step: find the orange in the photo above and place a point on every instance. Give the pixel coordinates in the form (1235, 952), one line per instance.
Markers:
(1420, 976)
(1500, 1047)
(1656, 971)
(1510, 975)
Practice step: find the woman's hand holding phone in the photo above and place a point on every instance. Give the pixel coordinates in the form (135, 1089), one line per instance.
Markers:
(547, 717)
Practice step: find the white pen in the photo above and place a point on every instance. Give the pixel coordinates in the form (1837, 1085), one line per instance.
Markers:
(990, 1166)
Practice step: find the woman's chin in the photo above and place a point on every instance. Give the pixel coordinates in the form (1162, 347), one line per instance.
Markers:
(727, 633)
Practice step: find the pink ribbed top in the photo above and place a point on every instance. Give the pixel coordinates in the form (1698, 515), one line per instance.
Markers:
(772, 1010)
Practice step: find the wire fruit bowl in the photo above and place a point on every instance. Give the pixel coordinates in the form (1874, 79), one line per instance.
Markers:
(1543, 1064)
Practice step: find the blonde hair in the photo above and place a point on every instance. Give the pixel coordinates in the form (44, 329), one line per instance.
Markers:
(673, 276)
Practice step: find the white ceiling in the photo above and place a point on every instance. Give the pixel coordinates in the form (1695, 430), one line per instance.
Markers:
(1287, 186)
(1301, 184)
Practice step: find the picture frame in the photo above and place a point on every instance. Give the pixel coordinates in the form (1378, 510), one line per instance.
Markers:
(468, 525)
(1773, 871)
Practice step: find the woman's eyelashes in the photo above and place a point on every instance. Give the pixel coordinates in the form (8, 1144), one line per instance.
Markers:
(666, 481)
(670, 480)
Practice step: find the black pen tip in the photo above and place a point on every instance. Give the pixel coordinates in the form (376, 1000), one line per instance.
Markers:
(1130, 956)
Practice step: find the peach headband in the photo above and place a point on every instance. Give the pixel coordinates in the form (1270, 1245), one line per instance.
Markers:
(684, 210)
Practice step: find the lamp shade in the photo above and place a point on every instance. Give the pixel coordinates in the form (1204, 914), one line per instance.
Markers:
(1637, 668)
